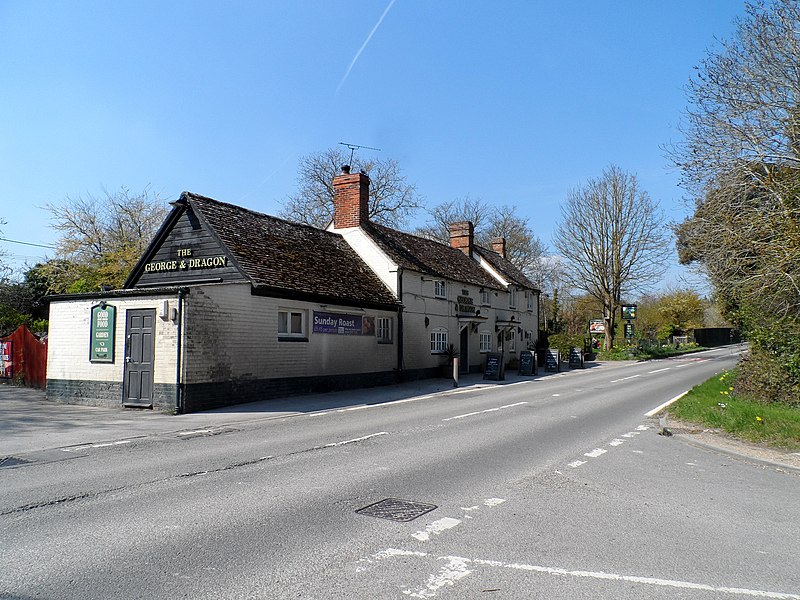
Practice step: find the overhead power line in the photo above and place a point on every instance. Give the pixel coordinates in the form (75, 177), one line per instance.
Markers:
(27, 243)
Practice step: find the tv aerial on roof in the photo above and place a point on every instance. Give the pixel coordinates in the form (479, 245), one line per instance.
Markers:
(354, 147)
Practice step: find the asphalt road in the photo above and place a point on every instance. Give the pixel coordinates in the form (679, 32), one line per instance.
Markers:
(555, 487)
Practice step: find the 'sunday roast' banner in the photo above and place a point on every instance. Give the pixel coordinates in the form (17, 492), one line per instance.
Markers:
(342, 324)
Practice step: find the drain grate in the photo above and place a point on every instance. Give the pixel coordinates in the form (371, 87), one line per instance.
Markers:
(12, 461)
(396, 509)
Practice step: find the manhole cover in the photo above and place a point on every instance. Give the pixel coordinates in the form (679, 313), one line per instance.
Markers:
(396, 509)
(12, 461)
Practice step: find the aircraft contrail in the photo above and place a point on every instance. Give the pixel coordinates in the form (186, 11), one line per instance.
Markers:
(364, 45)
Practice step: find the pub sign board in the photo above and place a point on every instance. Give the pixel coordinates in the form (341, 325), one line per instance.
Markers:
(103, 322)
(629, 312)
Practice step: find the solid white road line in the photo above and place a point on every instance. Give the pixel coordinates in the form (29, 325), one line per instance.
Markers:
(661, 407)
(457, 567)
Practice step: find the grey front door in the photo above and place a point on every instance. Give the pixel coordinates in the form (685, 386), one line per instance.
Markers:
(139, 355)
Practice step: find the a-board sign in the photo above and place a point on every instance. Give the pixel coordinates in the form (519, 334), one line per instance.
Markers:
(527, 363)
(552, 361)
(494, 366)
(575, 358)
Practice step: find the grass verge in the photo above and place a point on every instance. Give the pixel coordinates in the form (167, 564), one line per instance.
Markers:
(713, 404)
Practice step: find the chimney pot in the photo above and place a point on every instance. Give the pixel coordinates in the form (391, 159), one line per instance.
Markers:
(345, 169)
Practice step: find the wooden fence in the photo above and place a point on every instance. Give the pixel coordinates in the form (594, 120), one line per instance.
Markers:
(28, 358)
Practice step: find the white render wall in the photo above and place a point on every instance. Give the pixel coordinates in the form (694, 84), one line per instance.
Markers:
(68, 340)
(233, 335)
(420, 302)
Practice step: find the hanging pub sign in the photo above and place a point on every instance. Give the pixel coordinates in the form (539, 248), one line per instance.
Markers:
(7, 359)
(629, 312)
(343, 324)
(104, 319)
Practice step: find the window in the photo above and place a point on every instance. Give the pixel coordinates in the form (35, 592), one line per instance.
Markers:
(292, 324)
(512, 298)
(530, 296)
(384, 330)
(439, 340)
(439, 289)
(485, 341)
(484, 297)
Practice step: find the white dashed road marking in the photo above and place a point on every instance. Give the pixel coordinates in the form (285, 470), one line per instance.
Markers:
(435, 528)
(480, 412)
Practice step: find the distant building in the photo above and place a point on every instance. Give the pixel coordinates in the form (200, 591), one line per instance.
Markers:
(229, 306)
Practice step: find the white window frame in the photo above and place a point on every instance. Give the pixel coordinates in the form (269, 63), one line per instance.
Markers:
(440, 288)
(530, 295)
(485, 341)
(290, 332)
(439, 340)
(383, 330)
(512, 297)
(485, 298)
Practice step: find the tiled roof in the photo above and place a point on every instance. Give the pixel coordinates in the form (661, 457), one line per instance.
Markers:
(506, 268)
(292, 257)
(428, 256)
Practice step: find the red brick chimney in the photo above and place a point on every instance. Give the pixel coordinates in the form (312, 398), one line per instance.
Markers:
(350, 198)
(462, 236)
(499, 246)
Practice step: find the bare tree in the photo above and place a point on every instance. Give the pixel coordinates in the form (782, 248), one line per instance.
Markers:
(102, 237)
(743, 101)
(523, 248)
(392, 199)
(613, 238)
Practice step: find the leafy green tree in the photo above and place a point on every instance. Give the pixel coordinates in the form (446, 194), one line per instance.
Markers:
(101, 239)
(741, 161)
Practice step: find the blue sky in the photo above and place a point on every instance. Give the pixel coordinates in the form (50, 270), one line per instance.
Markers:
(512, 102)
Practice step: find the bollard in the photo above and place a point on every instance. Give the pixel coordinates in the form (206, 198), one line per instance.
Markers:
(455, 372)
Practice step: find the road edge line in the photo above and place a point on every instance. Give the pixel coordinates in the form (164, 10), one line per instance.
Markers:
(661, 407)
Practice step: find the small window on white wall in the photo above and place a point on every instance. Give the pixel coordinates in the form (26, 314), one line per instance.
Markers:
(439, 340)
(439, 289)
(512, 298)
(291, 324)
(485, 297)
(530, 296)
(384, 330)
(486, 341)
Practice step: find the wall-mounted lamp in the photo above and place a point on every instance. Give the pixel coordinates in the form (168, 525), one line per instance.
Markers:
(427, 322)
